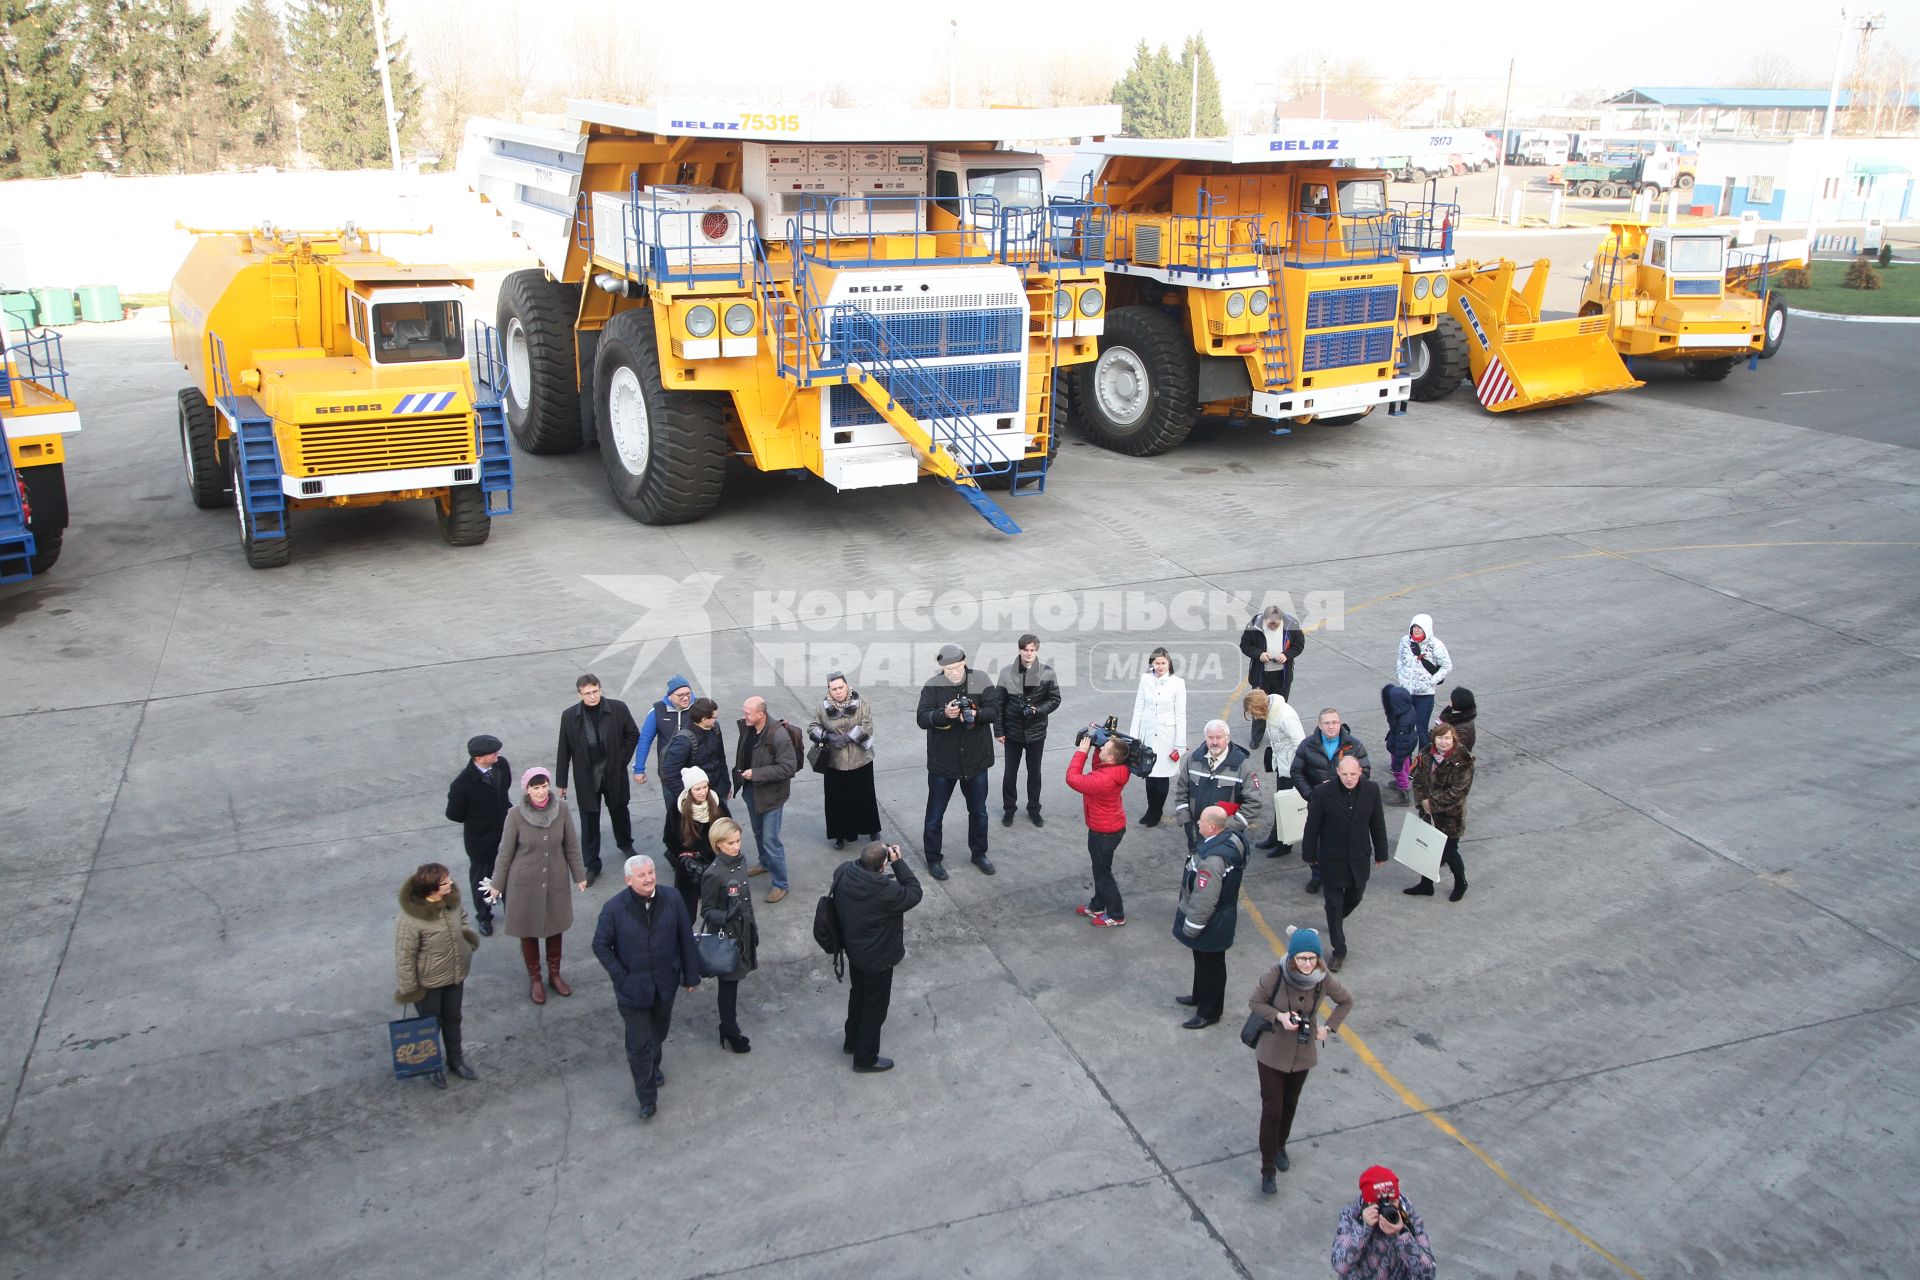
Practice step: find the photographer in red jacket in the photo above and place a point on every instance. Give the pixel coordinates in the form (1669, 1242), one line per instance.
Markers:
(1100, 784)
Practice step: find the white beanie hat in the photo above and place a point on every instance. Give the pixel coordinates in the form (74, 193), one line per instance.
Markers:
(693, 776)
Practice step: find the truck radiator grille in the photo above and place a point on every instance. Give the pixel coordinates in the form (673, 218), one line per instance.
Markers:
(1339, 350)
(342, 448)
(1331, 308)
(975, 388)
(1146, 246)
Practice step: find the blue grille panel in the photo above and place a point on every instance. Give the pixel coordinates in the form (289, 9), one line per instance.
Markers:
(6, 382)
(1331, 308)
(926, 334)
(1696, 288)
(1338, 350)
(975, 388)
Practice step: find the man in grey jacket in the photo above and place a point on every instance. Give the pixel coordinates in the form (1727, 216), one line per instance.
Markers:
(1219, 771)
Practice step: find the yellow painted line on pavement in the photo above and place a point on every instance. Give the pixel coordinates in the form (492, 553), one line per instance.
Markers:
(1414, 1102)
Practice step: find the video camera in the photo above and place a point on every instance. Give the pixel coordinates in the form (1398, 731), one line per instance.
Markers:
(1140, 756)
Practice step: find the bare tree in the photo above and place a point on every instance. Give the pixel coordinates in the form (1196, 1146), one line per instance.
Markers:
(1771, 69)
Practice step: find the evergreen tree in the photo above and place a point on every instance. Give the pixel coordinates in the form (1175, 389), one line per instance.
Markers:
(46, 116)
(343, 122)
(1212, 121)
(259, 100)
(1145, 95)
(154, 83)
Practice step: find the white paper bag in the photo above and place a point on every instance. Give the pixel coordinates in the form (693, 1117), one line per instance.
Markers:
(1420, 846)
(1290, 815)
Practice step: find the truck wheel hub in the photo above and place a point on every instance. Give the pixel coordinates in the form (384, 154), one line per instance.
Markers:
(627, 417)
(519, 363)
(1120, 384)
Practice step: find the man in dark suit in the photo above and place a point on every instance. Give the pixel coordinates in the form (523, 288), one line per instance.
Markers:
(478, 800)
(644, 938)
(598, 735)
(1345, 820)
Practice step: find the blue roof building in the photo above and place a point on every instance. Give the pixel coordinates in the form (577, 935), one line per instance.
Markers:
(1711, 109)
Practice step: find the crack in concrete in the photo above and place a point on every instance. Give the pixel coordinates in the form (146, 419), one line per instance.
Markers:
(566, 1145)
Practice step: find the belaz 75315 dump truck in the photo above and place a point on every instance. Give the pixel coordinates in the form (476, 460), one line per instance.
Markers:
(871, 296)
(35, 420)
(326, 374)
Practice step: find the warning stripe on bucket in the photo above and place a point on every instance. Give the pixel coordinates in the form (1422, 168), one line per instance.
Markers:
(1494, 387)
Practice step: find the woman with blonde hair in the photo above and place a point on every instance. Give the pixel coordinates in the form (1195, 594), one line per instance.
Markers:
(726, 907)
(1284, 734)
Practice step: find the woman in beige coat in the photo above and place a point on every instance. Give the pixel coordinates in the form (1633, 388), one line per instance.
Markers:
(433, 948)
(843, 732)
(1289, 995)
(539, 859)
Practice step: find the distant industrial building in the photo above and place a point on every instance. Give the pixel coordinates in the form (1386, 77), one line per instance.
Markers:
(1703, 111)
(1808, 179)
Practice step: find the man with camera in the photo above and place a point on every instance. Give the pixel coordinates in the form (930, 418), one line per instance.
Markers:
(957, 709)
(1219, 772)
(1029, 693)
(1380, 1237)
(1100, 783)
(872, 893)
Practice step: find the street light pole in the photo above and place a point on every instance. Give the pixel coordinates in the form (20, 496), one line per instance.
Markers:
(1500, 162)
(1833, 91)
(953, 62)
(386, 86)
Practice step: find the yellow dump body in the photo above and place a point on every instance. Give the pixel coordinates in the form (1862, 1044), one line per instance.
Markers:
(1520, 361)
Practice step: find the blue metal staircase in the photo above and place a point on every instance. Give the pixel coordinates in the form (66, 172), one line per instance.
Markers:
(16, 540)
(256, 456)
(490, 419)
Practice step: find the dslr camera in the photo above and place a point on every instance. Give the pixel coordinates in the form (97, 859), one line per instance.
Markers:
(1140, 757)
(1303, 1029)
(1390, 1210)
(969, 707)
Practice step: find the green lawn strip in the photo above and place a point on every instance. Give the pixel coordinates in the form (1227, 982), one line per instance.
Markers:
(1898, 294)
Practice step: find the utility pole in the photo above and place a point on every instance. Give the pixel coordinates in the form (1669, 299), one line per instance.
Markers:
(953, 62)
(1833, 91)
(386, 85)
(1500, 162)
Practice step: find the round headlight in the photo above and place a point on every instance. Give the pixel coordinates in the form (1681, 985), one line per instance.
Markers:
(739, 319)
(1420, 284)
(1090, 302)
(700, 321)
(1258, 302)
(1439, 286)
(1236, 304)
(1062, 304)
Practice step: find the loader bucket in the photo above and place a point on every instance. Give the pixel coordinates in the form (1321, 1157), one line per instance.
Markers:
(1520, 362)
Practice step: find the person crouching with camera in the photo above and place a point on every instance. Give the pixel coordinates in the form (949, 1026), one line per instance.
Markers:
(1100, 782)
(1380, 1237)
(1289, 995)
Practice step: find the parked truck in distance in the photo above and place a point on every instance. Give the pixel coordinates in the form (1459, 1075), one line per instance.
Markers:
(1621, 174)
(327, 374)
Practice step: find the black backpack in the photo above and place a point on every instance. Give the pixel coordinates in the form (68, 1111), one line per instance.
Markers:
(826, 930)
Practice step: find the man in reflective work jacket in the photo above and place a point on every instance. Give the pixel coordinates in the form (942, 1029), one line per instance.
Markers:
(1219, 771)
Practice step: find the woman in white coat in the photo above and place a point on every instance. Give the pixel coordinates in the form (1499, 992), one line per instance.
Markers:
(1160, 720)
(1284, 734)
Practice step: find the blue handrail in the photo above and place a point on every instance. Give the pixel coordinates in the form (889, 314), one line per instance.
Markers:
(487, 360)
(651, 259)
(1320, 239)
(839, 231)
(1425, 226)
(860, 338)
(44, 360)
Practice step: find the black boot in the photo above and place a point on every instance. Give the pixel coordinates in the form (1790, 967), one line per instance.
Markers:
(1422, 890)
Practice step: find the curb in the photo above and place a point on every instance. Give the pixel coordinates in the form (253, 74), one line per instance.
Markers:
(1829, 315)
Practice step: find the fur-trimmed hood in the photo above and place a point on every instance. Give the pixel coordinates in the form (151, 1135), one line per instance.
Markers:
(421, 909)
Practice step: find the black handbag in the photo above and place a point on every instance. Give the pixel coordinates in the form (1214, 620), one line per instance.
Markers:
(1250, 1033)
(719, 954)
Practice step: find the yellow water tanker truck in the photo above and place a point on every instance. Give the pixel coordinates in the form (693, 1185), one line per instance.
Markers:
(869, 296)
(1690, 294)
(1264, 276)
(326, 374)
(35, 420)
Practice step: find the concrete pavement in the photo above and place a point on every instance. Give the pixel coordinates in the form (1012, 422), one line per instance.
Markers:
(1677, 1009)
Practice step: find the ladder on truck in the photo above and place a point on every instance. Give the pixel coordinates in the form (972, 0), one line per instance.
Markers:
(257, 491)
(489, 368)
(16, 539)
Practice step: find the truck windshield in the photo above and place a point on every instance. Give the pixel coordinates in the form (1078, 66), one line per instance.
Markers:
(415, 332)
(1013, 188)
(1357, 198)
(1696, 253)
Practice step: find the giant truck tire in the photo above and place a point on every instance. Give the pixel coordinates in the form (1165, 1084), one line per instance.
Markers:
(262, 553)
(46, 550)
(1709, 370)
(536, 316)
(1775, 326)
(200, 451)
(464, 521)
(1138, 396)
(665, 452)
(1438, 361)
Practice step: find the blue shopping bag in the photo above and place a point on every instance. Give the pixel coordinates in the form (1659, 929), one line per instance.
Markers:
(416, 1047)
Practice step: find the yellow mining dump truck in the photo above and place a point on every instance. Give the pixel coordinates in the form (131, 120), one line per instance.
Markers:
(1688, 294)
(35, 420)
(870, 296)
(326, 374)
(1265, 276)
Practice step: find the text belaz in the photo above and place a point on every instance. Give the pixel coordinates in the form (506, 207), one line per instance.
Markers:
(876, 288)
(718, 126)
(1304, 144)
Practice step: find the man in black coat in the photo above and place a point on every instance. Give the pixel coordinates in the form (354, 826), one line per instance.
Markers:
(1346, 820)
(478, 800)
(598, 735)
(1029, 693)
(871, 894)
(957, 709)
(1272, 641)
(1314, 760)
(644, 939)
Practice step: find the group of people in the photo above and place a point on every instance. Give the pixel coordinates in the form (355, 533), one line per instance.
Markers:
(527, 857)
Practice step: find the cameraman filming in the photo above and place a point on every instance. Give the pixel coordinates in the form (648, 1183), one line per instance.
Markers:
(1380, 1237)
(1100, 786)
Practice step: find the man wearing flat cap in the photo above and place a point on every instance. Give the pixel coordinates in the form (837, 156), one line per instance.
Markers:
(957, 709)
(478, 801)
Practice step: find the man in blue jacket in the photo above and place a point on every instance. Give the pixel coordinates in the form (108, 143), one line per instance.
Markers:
(645, 940)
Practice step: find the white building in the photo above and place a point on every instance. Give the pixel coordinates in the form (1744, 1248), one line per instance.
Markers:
(1809, 179)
